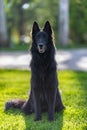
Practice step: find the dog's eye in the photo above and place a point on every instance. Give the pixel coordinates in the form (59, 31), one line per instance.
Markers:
(37, 37)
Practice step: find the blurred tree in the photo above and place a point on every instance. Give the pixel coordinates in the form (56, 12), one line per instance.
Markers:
(22, 13)
(3, 27)
(17, 16)
(78, 21)
(64, 22)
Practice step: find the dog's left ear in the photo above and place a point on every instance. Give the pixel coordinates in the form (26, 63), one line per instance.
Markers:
(35, 28)
(47, 27)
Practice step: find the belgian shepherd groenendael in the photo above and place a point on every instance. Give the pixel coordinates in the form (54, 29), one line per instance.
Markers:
(44, 95)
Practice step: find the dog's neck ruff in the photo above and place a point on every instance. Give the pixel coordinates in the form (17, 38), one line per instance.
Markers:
(45, 61)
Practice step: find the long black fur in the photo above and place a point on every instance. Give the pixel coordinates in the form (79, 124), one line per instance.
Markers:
(44, 95)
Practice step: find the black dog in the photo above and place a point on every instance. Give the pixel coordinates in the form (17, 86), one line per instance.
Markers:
(44, 94)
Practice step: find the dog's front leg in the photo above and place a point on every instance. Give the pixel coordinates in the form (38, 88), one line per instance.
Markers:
(51, 103)
(37, 107)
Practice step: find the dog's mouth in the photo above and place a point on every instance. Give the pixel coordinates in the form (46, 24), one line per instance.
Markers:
(41, 49)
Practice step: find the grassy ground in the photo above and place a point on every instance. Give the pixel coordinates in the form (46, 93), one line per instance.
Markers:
(15, 83)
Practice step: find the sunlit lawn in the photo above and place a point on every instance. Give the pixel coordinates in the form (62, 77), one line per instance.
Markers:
(15, 83)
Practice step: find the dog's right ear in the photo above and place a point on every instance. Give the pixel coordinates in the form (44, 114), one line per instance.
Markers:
(35, 28)
(47, 27)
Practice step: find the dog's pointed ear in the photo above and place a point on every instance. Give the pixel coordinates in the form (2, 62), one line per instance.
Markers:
(47, 27)
(35, 28)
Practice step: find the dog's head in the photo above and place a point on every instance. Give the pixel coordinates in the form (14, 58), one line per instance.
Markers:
(41, 37)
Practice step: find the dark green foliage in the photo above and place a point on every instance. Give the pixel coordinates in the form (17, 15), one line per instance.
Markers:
(41, 11)
(78, 21)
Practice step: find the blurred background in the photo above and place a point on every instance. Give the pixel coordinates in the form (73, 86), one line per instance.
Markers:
(17, 17)
(68, 19)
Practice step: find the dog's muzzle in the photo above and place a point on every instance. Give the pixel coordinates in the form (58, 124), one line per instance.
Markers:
(41, 48)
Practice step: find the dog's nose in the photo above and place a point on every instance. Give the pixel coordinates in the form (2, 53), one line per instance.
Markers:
(41, 46)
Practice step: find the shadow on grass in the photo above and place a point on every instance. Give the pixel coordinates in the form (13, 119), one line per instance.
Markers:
(44, 124)
(82, 79)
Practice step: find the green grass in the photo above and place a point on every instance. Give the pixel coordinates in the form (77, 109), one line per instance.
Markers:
(72, 46)
(15, 83)
(18, 47)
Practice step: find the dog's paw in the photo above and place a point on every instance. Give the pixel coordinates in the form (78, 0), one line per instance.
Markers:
(37, 118)
(50, 119)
